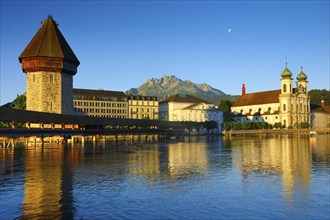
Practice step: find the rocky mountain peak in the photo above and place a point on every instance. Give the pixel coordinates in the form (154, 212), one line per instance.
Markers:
(170, 85)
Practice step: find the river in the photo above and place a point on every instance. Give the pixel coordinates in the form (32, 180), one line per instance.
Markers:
(282, 177)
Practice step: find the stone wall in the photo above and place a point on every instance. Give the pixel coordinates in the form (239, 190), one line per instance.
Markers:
(49, 92)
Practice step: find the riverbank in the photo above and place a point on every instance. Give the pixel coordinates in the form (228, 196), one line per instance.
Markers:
(277, 132)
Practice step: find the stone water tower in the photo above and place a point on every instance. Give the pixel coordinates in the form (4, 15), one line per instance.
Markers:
(49, 64)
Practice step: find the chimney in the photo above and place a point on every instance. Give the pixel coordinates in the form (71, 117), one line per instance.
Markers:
(243, 89)
(322, 103)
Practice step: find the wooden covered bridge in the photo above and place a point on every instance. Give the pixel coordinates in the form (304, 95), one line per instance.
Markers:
(21, 123)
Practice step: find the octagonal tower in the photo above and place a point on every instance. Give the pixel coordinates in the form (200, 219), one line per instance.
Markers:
(49, 64)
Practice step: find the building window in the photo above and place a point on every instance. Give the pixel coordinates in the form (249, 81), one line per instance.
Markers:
(284, 88)
(284, 107)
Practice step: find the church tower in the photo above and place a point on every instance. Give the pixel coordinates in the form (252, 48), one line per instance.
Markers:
(49, 64)
(286, 98)
(302, 99)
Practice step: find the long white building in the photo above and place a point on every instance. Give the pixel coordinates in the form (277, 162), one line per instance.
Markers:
(189, 108)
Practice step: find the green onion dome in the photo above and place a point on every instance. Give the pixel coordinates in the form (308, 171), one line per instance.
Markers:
(286, 72)
(302, 76)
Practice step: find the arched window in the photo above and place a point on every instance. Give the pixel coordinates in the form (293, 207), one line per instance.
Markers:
(284, 88)
(284, 107)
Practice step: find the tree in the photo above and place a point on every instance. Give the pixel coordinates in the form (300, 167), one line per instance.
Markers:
(20, 102)
(225, 106)
(316, 96)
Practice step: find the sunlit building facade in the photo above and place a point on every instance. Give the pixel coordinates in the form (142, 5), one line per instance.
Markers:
(100, 103)
(288, 106)
(189, 108)
(142, 107)
(320, 116)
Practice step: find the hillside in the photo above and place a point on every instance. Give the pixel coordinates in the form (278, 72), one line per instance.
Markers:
(171, 85)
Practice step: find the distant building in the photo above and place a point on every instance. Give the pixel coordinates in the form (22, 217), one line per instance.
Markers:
(100, 103)
(49, 64)
(189, 108)
(142, 107)
(320, 116)
(288, 106)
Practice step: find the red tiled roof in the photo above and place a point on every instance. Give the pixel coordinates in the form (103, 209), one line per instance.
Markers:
(258, 98)
(325, 109)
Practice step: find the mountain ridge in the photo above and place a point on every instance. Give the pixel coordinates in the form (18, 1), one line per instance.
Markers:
(169, 85)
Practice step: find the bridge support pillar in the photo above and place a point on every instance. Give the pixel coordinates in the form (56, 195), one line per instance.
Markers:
(139, 137)
(116, 137)
(94, 138)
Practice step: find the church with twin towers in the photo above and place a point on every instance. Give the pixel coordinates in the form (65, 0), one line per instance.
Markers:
(288, 106)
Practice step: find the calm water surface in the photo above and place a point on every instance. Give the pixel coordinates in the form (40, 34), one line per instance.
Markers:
(197, 178)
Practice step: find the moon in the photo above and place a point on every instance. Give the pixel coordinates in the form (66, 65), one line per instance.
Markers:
(229, 30)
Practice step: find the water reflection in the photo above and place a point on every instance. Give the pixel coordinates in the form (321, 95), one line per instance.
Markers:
(49, 176)
(48, 181)
(289, 158)
(186, 159)
(145, 161)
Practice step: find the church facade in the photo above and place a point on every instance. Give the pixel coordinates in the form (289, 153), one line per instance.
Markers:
(288, 106)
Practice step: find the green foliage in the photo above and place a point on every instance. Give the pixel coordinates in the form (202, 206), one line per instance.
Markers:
(5, 125)
(278, 125)
(316, 96)
(225, 106)
(302, 125)
(20, 102)
(246, 125)
(206, 124)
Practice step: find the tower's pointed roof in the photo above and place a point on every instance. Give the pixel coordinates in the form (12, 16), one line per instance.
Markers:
(49, 43)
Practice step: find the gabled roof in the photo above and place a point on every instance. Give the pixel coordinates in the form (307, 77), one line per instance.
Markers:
(184, 99)
(49, 43)
(258, 98)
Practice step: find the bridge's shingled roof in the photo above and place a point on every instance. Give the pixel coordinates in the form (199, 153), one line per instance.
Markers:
(49, 42)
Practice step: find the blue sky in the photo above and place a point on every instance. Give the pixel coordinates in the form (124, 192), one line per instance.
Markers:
(121, 44)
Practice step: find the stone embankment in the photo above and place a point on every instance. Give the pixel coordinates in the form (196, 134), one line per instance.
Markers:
(277, 132)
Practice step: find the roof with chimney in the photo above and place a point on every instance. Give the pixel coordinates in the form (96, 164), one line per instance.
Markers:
(258, 98)
(49, 42)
